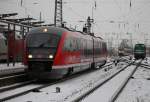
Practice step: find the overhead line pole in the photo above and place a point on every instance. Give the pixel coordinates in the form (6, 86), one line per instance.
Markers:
(58, 18)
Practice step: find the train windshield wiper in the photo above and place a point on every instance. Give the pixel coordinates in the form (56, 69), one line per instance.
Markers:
(42, 44)
(47, 44)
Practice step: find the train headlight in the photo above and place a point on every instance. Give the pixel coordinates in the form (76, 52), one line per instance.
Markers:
(45, 30)
(50, 56)
(30, 56)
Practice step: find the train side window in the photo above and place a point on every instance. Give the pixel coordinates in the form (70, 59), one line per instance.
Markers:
(91, 48)
(85, 47)
(71, 45)
(100, 48)
(67, 45)
(78, 44)
(81, 44)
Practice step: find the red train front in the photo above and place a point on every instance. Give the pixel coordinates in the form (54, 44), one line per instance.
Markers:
(52, 52)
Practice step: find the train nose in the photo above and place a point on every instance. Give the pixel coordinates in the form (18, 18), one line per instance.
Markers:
(39, 56)
(40, 66)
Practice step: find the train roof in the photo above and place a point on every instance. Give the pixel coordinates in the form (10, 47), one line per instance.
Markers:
(48, 29)
(57, 30)
(53, 29)
(140, 44)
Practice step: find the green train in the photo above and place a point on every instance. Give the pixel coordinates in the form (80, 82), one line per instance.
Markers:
(139, 51)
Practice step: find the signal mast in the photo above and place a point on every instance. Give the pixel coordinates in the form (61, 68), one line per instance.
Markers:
(58, 18)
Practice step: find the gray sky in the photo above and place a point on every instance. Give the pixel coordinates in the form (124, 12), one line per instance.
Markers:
(125, 19)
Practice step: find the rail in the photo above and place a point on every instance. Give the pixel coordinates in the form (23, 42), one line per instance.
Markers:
(99, 85)
(119, 91)
(49, 84)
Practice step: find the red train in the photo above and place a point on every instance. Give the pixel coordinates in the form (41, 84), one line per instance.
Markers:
(52, 52)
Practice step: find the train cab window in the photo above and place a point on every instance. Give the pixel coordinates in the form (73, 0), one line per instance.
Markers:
(42, 40)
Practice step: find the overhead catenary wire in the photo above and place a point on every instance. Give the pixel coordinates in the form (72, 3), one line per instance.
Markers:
(133, 13)
(74, 12)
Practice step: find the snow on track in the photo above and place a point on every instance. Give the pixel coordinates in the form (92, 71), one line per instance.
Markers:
(105, 93)
(70, 89)
(138, 88)
(18, 90)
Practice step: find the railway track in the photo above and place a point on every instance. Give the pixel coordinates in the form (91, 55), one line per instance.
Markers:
(83, 96)
(11, 70)
(35, 87)
(38, 87)
(16, 85)
(119, 91)
(16, 79)
(145, 66)
(11, 79)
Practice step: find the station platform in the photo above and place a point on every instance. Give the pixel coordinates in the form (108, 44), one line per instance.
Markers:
(5, 69)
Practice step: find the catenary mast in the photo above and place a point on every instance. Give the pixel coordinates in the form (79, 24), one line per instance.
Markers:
(58, 19)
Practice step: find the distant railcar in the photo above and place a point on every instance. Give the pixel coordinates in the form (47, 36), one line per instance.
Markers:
(52, 52)
(121, 53)
(11, 46)
(139, 51)
(3, 48)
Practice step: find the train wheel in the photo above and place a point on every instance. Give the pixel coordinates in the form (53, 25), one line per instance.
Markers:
(93, 66)
(143, 57)
(102, 64)
(136, 57)
(70, 71)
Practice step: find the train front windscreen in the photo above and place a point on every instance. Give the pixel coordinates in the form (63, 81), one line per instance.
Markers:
(139, 48)
(42, 45)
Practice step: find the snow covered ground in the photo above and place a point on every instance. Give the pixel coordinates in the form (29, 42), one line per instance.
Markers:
(147, 61)
(18, 90)
(17, 65)
(71, 89)
(137, 90)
